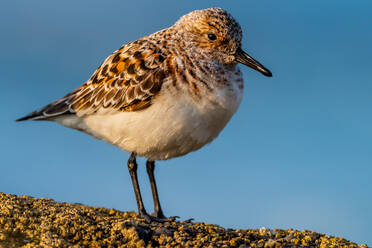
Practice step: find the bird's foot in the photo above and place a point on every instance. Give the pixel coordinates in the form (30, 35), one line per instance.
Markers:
(188, 220)
(159, 219)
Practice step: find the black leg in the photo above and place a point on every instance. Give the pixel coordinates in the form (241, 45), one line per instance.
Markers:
(132, 167)
(150, 166)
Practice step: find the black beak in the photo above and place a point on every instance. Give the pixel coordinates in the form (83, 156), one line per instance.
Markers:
(245, 59)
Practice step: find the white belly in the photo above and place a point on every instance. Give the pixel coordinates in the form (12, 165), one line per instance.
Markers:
(172, 126)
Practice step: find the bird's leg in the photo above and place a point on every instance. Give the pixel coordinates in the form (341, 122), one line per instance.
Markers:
(150, 166)
(132, 167)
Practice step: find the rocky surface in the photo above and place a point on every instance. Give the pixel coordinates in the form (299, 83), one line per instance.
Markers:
(31, 222)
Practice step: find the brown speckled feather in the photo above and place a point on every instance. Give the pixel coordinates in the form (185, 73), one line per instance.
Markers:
(126, 81)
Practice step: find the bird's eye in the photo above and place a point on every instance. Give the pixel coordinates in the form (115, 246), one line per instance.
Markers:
(212, 37)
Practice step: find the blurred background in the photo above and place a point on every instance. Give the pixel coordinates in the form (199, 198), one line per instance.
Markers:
(297, 154)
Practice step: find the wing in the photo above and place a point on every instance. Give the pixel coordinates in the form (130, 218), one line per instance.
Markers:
(126, 81)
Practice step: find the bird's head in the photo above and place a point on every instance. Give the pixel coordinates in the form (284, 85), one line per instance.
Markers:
(217, 33)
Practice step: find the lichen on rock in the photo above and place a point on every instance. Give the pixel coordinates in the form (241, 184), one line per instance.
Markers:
(31, 222)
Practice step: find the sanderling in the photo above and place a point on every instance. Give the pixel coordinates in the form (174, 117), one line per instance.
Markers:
(162, 96)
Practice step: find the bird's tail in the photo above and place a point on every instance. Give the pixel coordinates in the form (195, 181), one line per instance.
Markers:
(57, 108)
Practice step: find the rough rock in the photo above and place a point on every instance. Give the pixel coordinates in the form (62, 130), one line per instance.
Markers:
(31, 222)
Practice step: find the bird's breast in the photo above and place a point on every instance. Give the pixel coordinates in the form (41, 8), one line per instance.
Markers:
(177, 121)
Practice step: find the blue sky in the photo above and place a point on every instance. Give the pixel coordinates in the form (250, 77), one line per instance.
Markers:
(297, 154)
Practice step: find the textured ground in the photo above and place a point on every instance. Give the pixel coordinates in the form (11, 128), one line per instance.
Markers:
(31, 222)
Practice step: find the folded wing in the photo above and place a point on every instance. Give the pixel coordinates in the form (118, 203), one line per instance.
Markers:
(126, 81)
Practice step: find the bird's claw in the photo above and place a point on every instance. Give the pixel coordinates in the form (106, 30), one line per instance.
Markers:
(149, 218)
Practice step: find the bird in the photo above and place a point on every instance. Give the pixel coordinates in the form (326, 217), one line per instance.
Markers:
(161, 96)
